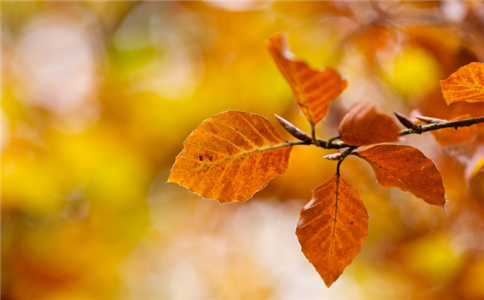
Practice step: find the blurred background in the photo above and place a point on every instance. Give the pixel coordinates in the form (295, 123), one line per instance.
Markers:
(98, 97)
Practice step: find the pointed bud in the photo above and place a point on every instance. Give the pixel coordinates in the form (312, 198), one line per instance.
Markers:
(293, 130)
(429, 120)
(333, 156)
(404, 120)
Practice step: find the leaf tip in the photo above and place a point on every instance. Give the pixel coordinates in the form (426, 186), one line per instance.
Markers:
(170, 179)
(328, 283)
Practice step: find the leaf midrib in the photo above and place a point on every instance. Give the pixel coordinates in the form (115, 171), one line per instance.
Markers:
(242, 154)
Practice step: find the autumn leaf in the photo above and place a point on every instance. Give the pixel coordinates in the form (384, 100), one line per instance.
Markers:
(332, 228)
(231, 156)
(455, 136)
(314, 89)
(407, 168)
(465, 84)
(364, 125)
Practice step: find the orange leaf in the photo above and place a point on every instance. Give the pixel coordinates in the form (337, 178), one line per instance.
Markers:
(231, 156)
(364, 125)
(465, 84)
(453, 136)
(332, 228)
(314, 89)
(408, 169)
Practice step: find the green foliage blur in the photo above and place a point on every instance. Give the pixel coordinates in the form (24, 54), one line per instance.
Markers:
(98, 97)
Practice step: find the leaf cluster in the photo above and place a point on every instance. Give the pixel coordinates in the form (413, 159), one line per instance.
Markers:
(235, 154)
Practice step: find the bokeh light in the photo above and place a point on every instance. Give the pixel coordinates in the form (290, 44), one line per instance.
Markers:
(98, 97)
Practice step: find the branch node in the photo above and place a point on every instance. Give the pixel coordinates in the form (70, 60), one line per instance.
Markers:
(330, 141)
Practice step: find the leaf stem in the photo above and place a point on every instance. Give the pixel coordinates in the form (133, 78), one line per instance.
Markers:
(343, 155)
(292, 143)
(313, 135)
(330, 141)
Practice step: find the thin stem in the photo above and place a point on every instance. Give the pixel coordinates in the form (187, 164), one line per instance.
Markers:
(330, 141)
(338, 165)
(313, 135)
(291, 143)
(331, 144)
(343, 155)
(436, 126)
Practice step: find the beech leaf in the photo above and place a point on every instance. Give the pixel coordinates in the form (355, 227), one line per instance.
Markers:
(407, 168)
(332, 228)
(314, 89)
(231, 156)
(364, 125)
(465, 84)
(455, 136)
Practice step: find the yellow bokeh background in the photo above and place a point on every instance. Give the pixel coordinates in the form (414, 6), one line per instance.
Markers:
(98, 97)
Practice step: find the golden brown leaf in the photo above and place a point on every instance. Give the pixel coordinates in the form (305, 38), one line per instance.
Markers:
(364, 125)
(314, 89)
(332, 228)
(231, 156)
(407, 168)
(465, 84)
(455, 136)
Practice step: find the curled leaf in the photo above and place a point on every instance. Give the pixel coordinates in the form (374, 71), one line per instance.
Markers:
(407, 168)
(455, 136)
(231, 156)
(314, 89)
(332, 228)
(364, 125)
(465, 84)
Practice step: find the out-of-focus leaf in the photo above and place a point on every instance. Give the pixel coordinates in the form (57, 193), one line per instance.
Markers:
(455, 136)
(314, 89)
(364, 125)
(475, 164)
(465, 84)
(332, 228)
(407, 168)
(413, 64)
(230, 156)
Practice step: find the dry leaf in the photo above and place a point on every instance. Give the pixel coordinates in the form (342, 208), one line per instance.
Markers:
(465, 84)
(455, 136)
(364, 125)
(231, 156)
(332, 228)
(408, 169)
(314, 89)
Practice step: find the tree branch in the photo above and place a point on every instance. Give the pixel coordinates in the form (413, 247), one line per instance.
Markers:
(436, 126)
(332, 144)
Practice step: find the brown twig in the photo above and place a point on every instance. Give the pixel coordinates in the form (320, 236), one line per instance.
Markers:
(331, 144)
(445, 124)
